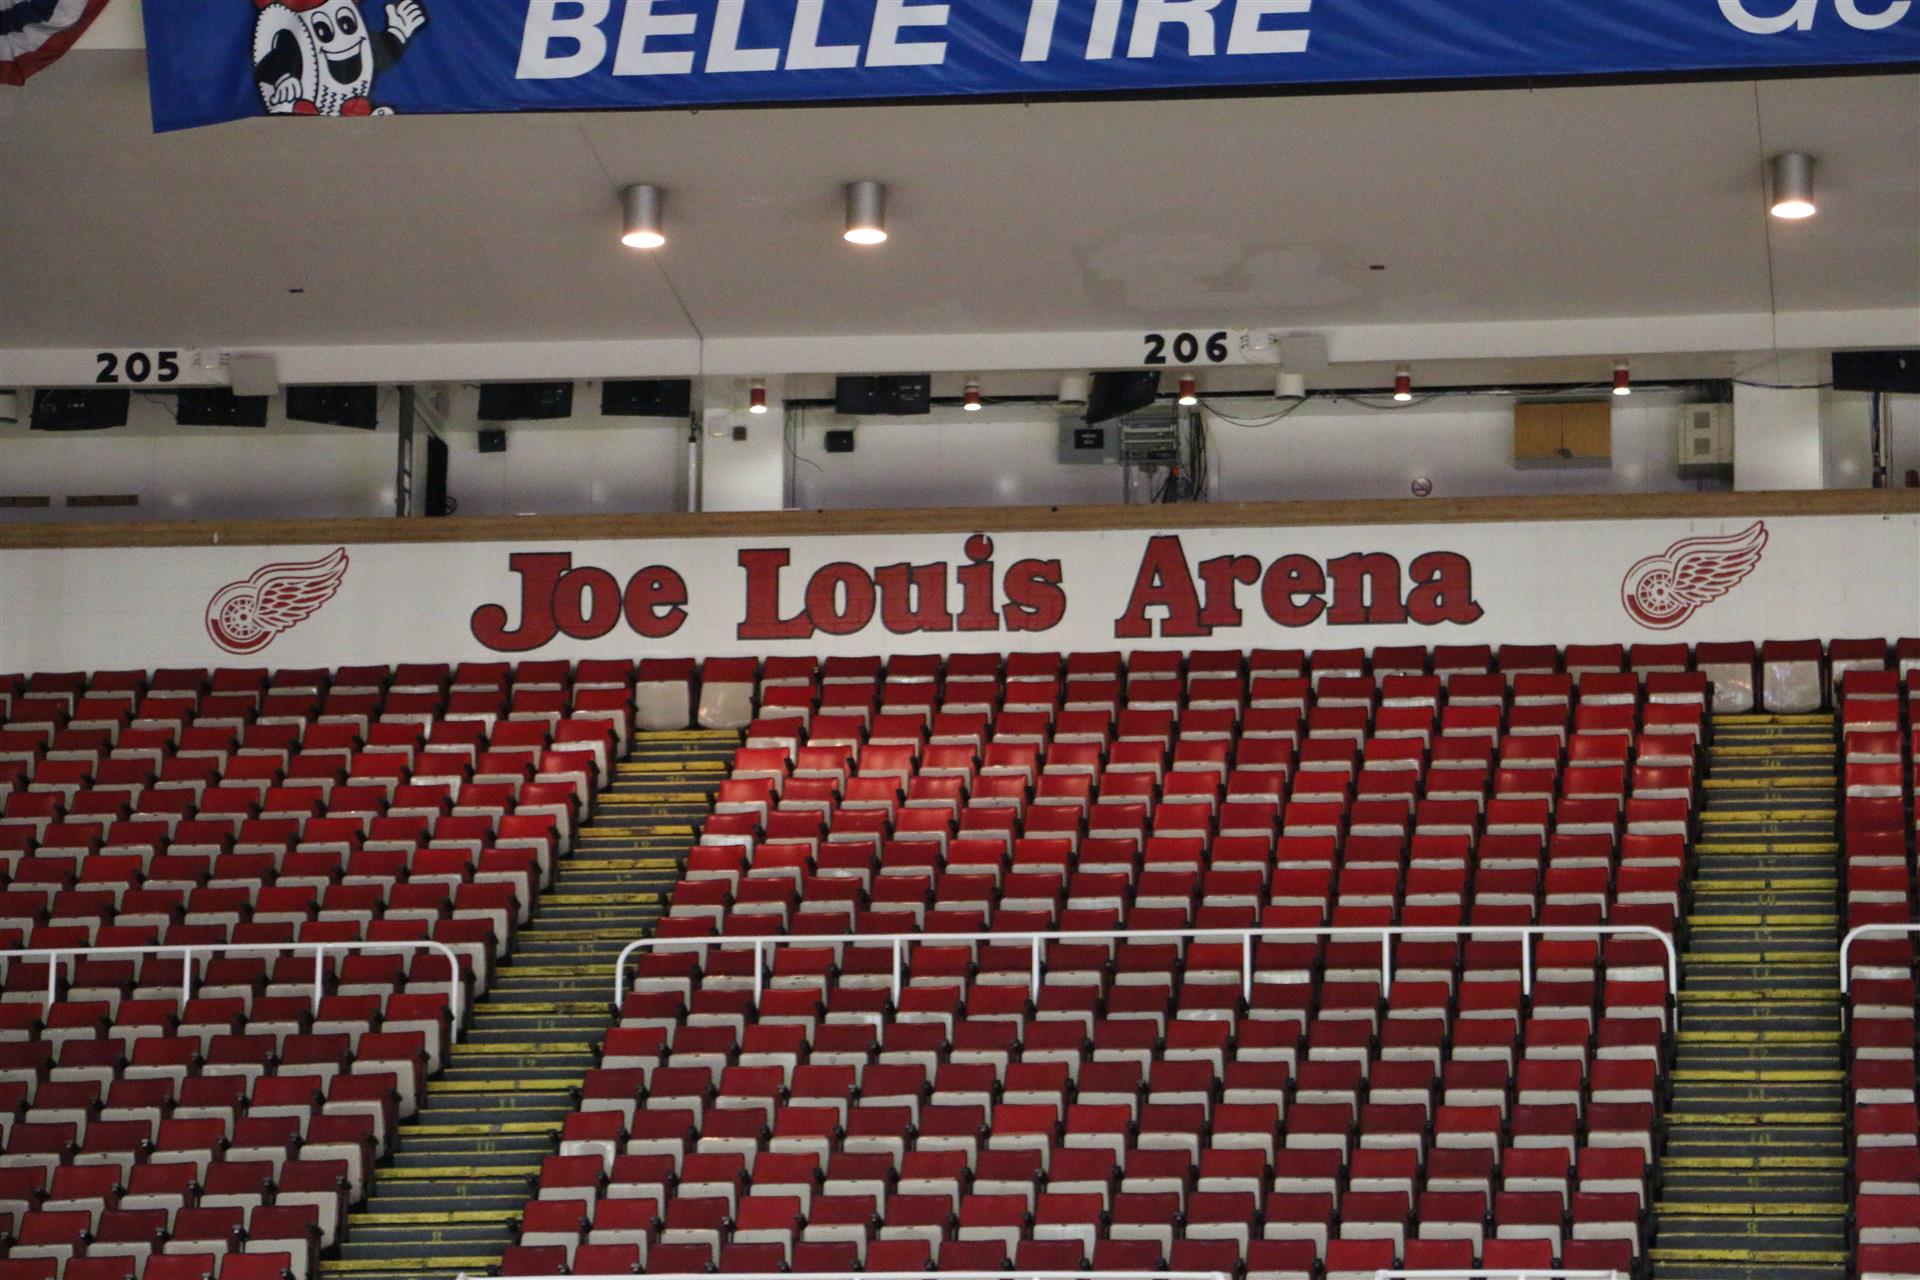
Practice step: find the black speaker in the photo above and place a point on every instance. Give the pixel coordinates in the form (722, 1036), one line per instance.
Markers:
(655, 398)
(357, 407)
(62, 410)
(219, 407)
(839, 442)
(493, 440)
(900, 396)
(1115, 395)
(1891, 371)
(525, 401)
(437, 503)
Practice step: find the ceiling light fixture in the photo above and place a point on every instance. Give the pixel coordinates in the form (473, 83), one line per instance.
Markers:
(1793, 185)
(971, 401)
(1622, 379)
(1403, 384)
(643, 204)
(1290, 386)
(1074, 389)
(757, 398)
(1189, 392)
(866, 213)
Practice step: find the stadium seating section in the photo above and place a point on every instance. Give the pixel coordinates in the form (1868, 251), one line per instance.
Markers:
(1289, 1107)
(1881, 767)
(1135, 1109)
(173, 1134)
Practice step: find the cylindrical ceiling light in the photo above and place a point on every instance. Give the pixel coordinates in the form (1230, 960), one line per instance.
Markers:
(1622, 379)
(757, 398)
(643, 204)
(1290, 386)
(866, 213)
(1074, 389)
(1793, 185)
(1189, 392)
(971, 401)
(1403, 384)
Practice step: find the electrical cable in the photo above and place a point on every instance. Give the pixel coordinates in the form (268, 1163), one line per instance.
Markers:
(1390, 405)
(793, 449)
(1256, 424)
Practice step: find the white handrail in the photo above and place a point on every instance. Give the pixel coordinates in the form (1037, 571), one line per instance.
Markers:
(898, 943)
(1846, 944)
(1014, 1273)
(1495, 1275)
(50, 956)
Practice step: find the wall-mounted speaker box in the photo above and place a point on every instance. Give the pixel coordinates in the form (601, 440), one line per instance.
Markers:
(219, 407)
(357, 407)
(648, 398)
(493, 440)
(839, 442)
(1563, 433)
(435, 493)
(525, 401)
(1704, 441)
(898, 396)
(1896, 372)
(79, 410)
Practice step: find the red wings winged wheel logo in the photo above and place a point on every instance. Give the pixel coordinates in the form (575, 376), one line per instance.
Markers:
(1663, 591)
(244, 617)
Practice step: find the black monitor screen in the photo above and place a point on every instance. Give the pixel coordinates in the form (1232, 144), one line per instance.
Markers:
(1115, 395)
(525, 401)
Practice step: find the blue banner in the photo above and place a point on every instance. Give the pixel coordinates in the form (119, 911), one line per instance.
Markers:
(214, 60)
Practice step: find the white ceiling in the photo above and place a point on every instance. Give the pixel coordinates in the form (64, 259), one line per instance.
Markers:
(1558, 204)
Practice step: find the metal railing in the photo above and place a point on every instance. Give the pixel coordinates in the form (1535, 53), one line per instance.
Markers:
(1495, 1275)
(899, 942)
(51, 957)
(1853, 935)
(1012, 1273)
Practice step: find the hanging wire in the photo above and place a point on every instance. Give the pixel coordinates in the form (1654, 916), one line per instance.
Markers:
(1256, 423)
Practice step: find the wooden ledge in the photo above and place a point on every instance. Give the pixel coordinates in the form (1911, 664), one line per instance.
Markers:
(798, 524)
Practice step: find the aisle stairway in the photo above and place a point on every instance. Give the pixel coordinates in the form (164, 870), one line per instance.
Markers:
(450, 1199)
(1754, 1180)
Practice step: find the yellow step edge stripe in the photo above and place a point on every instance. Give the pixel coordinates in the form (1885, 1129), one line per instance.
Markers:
(479, 1173)
(1760, 879)
(1779, 847)
(1798, 1119)
(1766, 815)
(403, 1266)
(520, 1050)
(1759, 1037)
(1742, 752)
(1703, 1076)
(1685, 1164)
(1670, 1212)
(1754, 995)
(451, 1218)
(1807, 1257)
(1771, 781)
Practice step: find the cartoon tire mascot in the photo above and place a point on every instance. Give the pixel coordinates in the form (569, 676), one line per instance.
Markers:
(318, 57)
